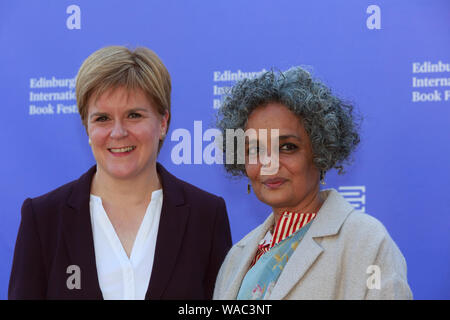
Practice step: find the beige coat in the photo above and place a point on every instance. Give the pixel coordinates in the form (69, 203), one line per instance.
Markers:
(342, 256)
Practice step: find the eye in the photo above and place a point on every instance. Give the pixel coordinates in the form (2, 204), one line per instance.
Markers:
(101, 119)
(134, 115)
(288, 147)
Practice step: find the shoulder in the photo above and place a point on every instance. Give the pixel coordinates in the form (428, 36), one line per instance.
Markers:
(338, 216)
(361, 221)
(206, 210)
(180, 189)
(50, 204)
(359, 225)
(205, 207)
(365, 236)
(194, 193)
(41, 216)
(51, 199)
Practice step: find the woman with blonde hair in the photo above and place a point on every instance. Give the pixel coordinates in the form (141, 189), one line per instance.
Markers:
(127, 228)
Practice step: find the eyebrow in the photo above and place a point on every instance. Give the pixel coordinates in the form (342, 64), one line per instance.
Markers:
(283, 137)
(288, 136)
(129, 111)
(97, 114)
(139, 109)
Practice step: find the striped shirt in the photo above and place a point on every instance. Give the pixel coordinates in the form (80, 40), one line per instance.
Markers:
(288, 224)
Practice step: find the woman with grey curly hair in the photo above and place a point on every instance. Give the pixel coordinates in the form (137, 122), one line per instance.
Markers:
(314, 244)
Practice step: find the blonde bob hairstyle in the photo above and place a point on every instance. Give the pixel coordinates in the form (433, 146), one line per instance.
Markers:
(116, 66)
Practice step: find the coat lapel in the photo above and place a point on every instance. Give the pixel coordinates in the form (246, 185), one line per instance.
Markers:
(172, 225)
(78, 236)
(301, 260)
(328, 222)
(248, 246)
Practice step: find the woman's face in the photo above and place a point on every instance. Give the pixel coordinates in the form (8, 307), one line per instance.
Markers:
(125, 128)
(296, 183)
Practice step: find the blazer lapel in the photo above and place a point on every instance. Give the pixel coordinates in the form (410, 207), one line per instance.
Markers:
(172, 225)
(77, 230)
(248, 246)
(328, 222)
(301, 260)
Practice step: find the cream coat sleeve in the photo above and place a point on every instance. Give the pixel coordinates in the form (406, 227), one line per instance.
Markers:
(392, 283)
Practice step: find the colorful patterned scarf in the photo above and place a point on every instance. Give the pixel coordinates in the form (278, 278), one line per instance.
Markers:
(262, 277)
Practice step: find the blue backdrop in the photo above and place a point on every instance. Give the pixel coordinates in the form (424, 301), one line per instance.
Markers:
(390, 58)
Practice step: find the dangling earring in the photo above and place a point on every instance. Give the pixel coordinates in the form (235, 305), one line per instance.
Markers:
(90, 142)
(322, 177)
(249, 188)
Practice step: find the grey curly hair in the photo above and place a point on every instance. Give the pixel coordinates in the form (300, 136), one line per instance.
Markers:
(329, 122)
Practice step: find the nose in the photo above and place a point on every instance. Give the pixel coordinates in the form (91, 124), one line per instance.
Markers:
(270, 159)
(270, 164)
(265, 158)
(118, 131)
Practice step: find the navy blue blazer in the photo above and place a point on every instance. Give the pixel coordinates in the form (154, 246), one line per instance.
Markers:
(55, 232)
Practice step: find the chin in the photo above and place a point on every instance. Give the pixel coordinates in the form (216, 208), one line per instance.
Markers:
(122, 172)
(274, 200)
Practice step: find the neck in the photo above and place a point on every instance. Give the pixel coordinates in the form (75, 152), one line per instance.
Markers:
(310, 204)
(125, 192)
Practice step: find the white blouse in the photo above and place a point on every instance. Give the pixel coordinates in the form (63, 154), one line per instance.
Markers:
(120, 277)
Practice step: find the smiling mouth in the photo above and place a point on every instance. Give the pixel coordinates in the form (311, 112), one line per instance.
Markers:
(122, 150)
